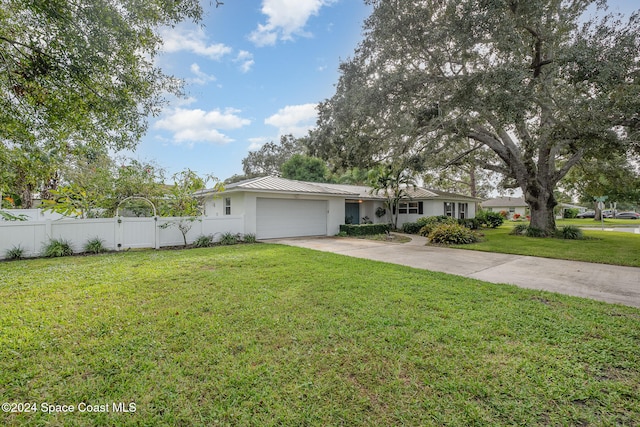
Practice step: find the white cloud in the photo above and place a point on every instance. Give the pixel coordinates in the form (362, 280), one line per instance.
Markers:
(284, 19)
(200, 76)
(257, 143)
(246, 60)
(191, 126)
(192, 40)
(294, 119)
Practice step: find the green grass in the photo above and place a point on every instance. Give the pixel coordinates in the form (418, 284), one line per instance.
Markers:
(272, 335)
(604, 247)
(590, 222)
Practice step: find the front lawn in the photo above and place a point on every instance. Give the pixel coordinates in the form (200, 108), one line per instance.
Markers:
(605, 247)
(274, 335)
(591, 223)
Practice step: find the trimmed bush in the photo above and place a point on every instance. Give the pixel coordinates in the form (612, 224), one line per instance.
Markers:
(490, 219)
(431, 222)
(570, 232)
(411, 227)
(203, 241)
(570, 213)
(452, 234)
(15, 252)
(364, 229)
(57, 248)
(95, 246)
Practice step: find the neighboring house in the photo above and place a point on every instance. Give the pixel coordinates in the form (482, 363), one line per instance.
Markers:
(512, 205)
(275, 207)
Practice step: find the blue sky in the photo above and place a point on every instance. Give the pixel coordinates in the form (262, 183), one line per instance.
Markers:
(253, 72)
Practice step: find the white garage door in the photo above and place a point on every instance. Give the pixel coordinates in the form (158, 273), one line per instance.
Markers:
(290, 218)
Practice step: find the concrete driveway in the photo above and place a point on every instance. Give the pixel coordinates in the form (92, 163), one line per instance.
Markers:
(609, 283)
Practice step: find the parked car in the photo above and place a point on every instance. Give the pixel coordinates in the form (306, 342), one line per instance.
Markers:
(587, 214)
(628, 215)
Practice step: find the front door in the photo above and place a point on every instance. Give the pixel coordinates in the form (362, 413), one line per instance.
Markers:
(352, 213)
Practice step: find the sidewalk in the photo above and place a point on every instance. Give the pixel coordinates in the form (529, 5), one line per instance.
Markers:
(609, 283)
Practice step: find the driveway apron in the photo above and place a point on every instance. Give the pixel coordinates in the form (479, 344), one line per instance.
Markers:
(609, 283)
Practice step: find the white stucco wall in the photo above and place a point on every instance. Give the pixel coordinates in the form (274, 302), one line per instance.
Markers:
(244, 204)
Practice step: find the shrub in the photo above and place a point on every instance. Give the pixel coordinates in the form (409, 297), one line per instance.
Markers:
(95, 246)
(516, 216)
(519, 230)
(571, 213)
(249, 238)
(452, 234)
(364, 229)
(57, 248)
(470, 223)
(430, 222)
(504, 214)
(490, 219)
(411, 227)
(228, 239)
(536, 232)
(570, 232)
(15, 252)
(203, 241)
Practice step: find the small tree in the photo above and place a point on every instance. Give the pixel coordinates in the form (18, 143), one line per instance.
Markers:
(183, 201)
(393, 182)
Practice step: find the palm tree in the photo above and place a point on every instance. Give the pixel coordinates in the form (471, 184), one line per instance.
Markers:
(393, 182)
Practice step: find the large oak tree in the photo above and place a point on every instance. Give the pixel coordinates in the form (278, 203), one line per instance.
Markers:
(534, 84)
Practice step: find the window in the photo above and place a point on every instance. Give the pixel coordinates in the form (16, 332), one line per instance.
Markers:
(410, 208)
(450, 209)
(227, 205)
(463, 209)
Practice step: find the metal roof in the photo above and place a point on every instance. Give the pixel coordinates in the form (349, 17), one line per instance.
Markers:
(273, 183)
(277, 184)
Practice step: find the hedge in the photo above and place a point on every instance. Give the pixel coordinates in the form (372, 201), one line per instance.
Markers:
(364, 229)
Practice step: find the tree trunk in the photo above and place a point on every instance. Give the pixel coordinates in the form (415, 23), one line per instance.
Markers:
(541, 202)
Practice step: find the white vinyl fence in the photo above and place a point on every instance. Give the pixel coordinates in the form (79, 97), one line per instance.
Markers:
(116, 233)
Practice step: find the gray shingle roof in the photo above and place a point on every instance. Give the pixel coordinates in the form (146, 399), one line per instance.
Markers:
(508, 202)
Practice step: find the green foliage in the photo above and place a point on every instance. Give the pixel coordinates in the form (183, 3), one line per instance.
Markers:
(364, 229)
(490, 219)
(14, 253)
(95, 246)
(570, 213)
(305, 168)
(392, 181)
(57, 248)
(452, 234)
(249, 238)
(229, 238)
(203, 241)
(536, 232)
(519, 230)
(83, 73)
(429, 223)
(411, 227)
(268, 160)
(570, 232)
(8, 216)
(470, 223)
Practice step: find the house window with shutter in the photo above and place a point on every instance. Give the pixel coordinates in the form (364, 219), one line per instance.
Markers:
(450, 209)
(463, 209)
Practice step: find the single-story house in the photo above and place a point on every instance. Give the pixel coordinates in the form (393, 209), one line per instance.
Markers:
(511, 205)
(274, 207)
